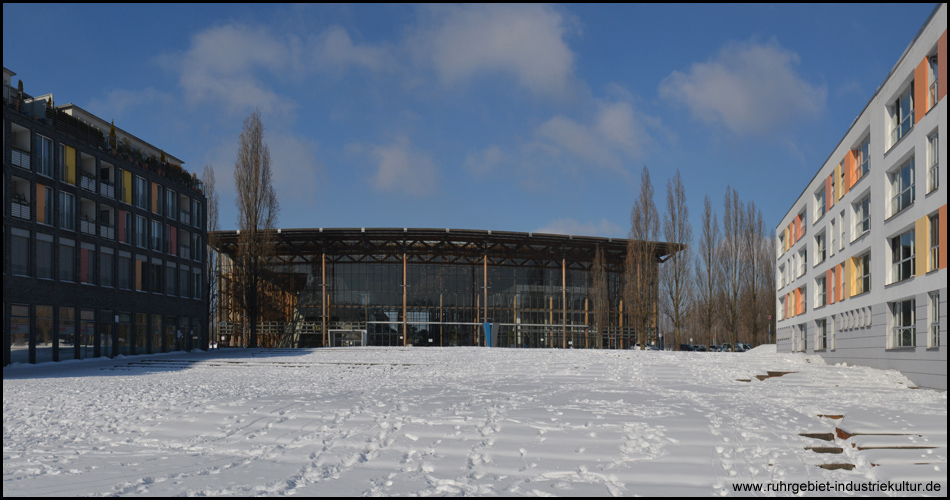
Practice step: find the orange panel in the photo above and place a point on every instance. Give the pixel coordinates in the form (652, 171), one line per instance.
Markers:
(942, 227)
(920, 90)
(830, 287)
(942, 66)
(41, 204)
(155, 197)
(848, 170)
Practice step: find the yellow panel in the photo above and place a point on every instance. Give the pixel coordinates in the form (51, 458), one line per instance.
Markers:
(127, 186)
(849, 275)
(922, 228)
(70, 165)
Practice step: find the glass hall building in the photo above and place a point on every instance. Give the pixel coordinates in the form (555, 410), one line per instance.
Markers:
(430, 287)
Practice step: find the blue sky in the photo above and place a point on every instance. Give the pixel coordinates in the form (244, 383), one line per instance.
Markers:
(507, 117)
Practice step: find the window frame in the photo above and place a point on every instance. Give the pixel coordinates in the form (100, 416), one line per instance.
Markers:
(904, 328)
(933, 307)
(902, 114)
(900, 189)
(862, 216)
(903, 256)
(933, 161)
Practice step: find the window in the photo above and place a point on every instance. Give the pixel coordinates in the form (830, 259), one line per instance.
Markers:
(802, 261)
(841, 225)
(43, 149)
(67, 211)
(171, 284)
(141, 232)
(67, 258)
(61, 163)
(44, 256)
(106, 263)
(904, 332)
(934, 71)
(156, 273)
(902, 114)
(834, 237)
(820, 203)
(781, 276)
(934, 260)
(20, 252)
(902, 187)
(196, 245)
(862, 271)
(933, 340)
(141, 193)
(125, 271)
(196, 213)
(803, 304)
(171, 204)
(184, 282)
(156, 236)
(820, 248)
(196, 276)
(902, 256)
(87, 264)
(820, 292)
(821, 334)
(804, 224)
(862, 216)
(933, 162)
(862, 158)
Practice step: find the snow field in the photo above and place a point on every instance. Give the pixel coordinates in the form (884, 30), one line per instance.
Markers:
(458, 421)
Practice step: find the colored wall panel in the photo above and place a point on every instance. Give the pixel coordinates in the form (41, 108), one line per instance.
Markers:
(942, 227)
(922, 241)
(84, 266)
(127, 187)
(155, 197)
(830, 286)
(920, 90)
(173, 241)
(41, 204)
(70, 162)
(849, 170)
(838, 184)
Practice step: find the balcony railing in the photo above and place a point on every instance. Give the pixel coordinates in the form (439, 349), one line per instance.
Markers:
(184, 252)
(87, 226)
(20, 158)
(107, 190)
(904, 336)
(185, 217)
(20, 210)
(107, 231)
(933, 178)
(88, 183)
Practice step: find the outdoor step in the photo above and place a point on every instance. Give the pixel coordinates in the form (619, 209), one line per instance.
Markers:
(825, 449)
(837, 466)
(824, 436)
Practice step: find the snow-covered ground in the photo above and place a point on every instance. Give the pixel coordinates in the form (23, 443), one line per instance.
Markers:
(462, 421)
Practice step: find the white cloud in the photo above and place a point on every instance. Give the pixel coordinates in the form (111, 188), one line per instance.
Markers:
(296, 172)
(118, 101)
(222, 62)
(750, 88)
(335, 48)
(523, 40)
(484, 162)
(604, 228)
(401, 168)
(614, 135)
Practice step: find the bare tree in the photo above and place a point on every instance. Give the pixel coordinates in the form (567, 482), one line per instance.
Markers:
(257, 217)
(730, 263)
(211, 262)
(707, 272)
(752, 271)
(767, 271)
(641, 267)
(600, 295)
(676, 283)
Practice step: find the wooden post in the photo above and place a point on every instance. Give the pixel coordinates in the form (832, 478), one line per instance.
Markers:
(486, 288)
(563, 303)
(551, 320)
(441, 323)
(405, 286)
(621, 324)
(587, 325)
(324, 272)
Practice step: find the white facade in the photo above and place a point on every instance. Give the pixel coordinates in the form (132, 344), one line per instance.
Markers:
(861, 255)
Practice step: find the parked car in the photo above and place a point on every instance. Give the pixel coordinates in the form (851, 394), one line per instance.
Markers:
(715, 348)
(725, 347)
(746, 347)
(686, 347)
(699, 348)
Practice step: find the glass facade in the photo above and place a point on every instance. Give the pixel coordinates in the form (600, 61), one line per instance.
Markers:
(436, 293)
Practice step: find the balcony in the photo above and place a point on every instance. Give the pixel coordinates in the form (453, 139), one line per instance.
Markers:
(87, 182)
(184, 252)
(20, 210)
(87, 226)
(185, 217)
(20, 158)
(107, 190)
(107, 231)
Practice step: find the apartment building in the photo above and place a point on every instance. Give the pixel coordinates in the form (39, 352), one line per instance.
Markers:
(862, 254)
(103, 238)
